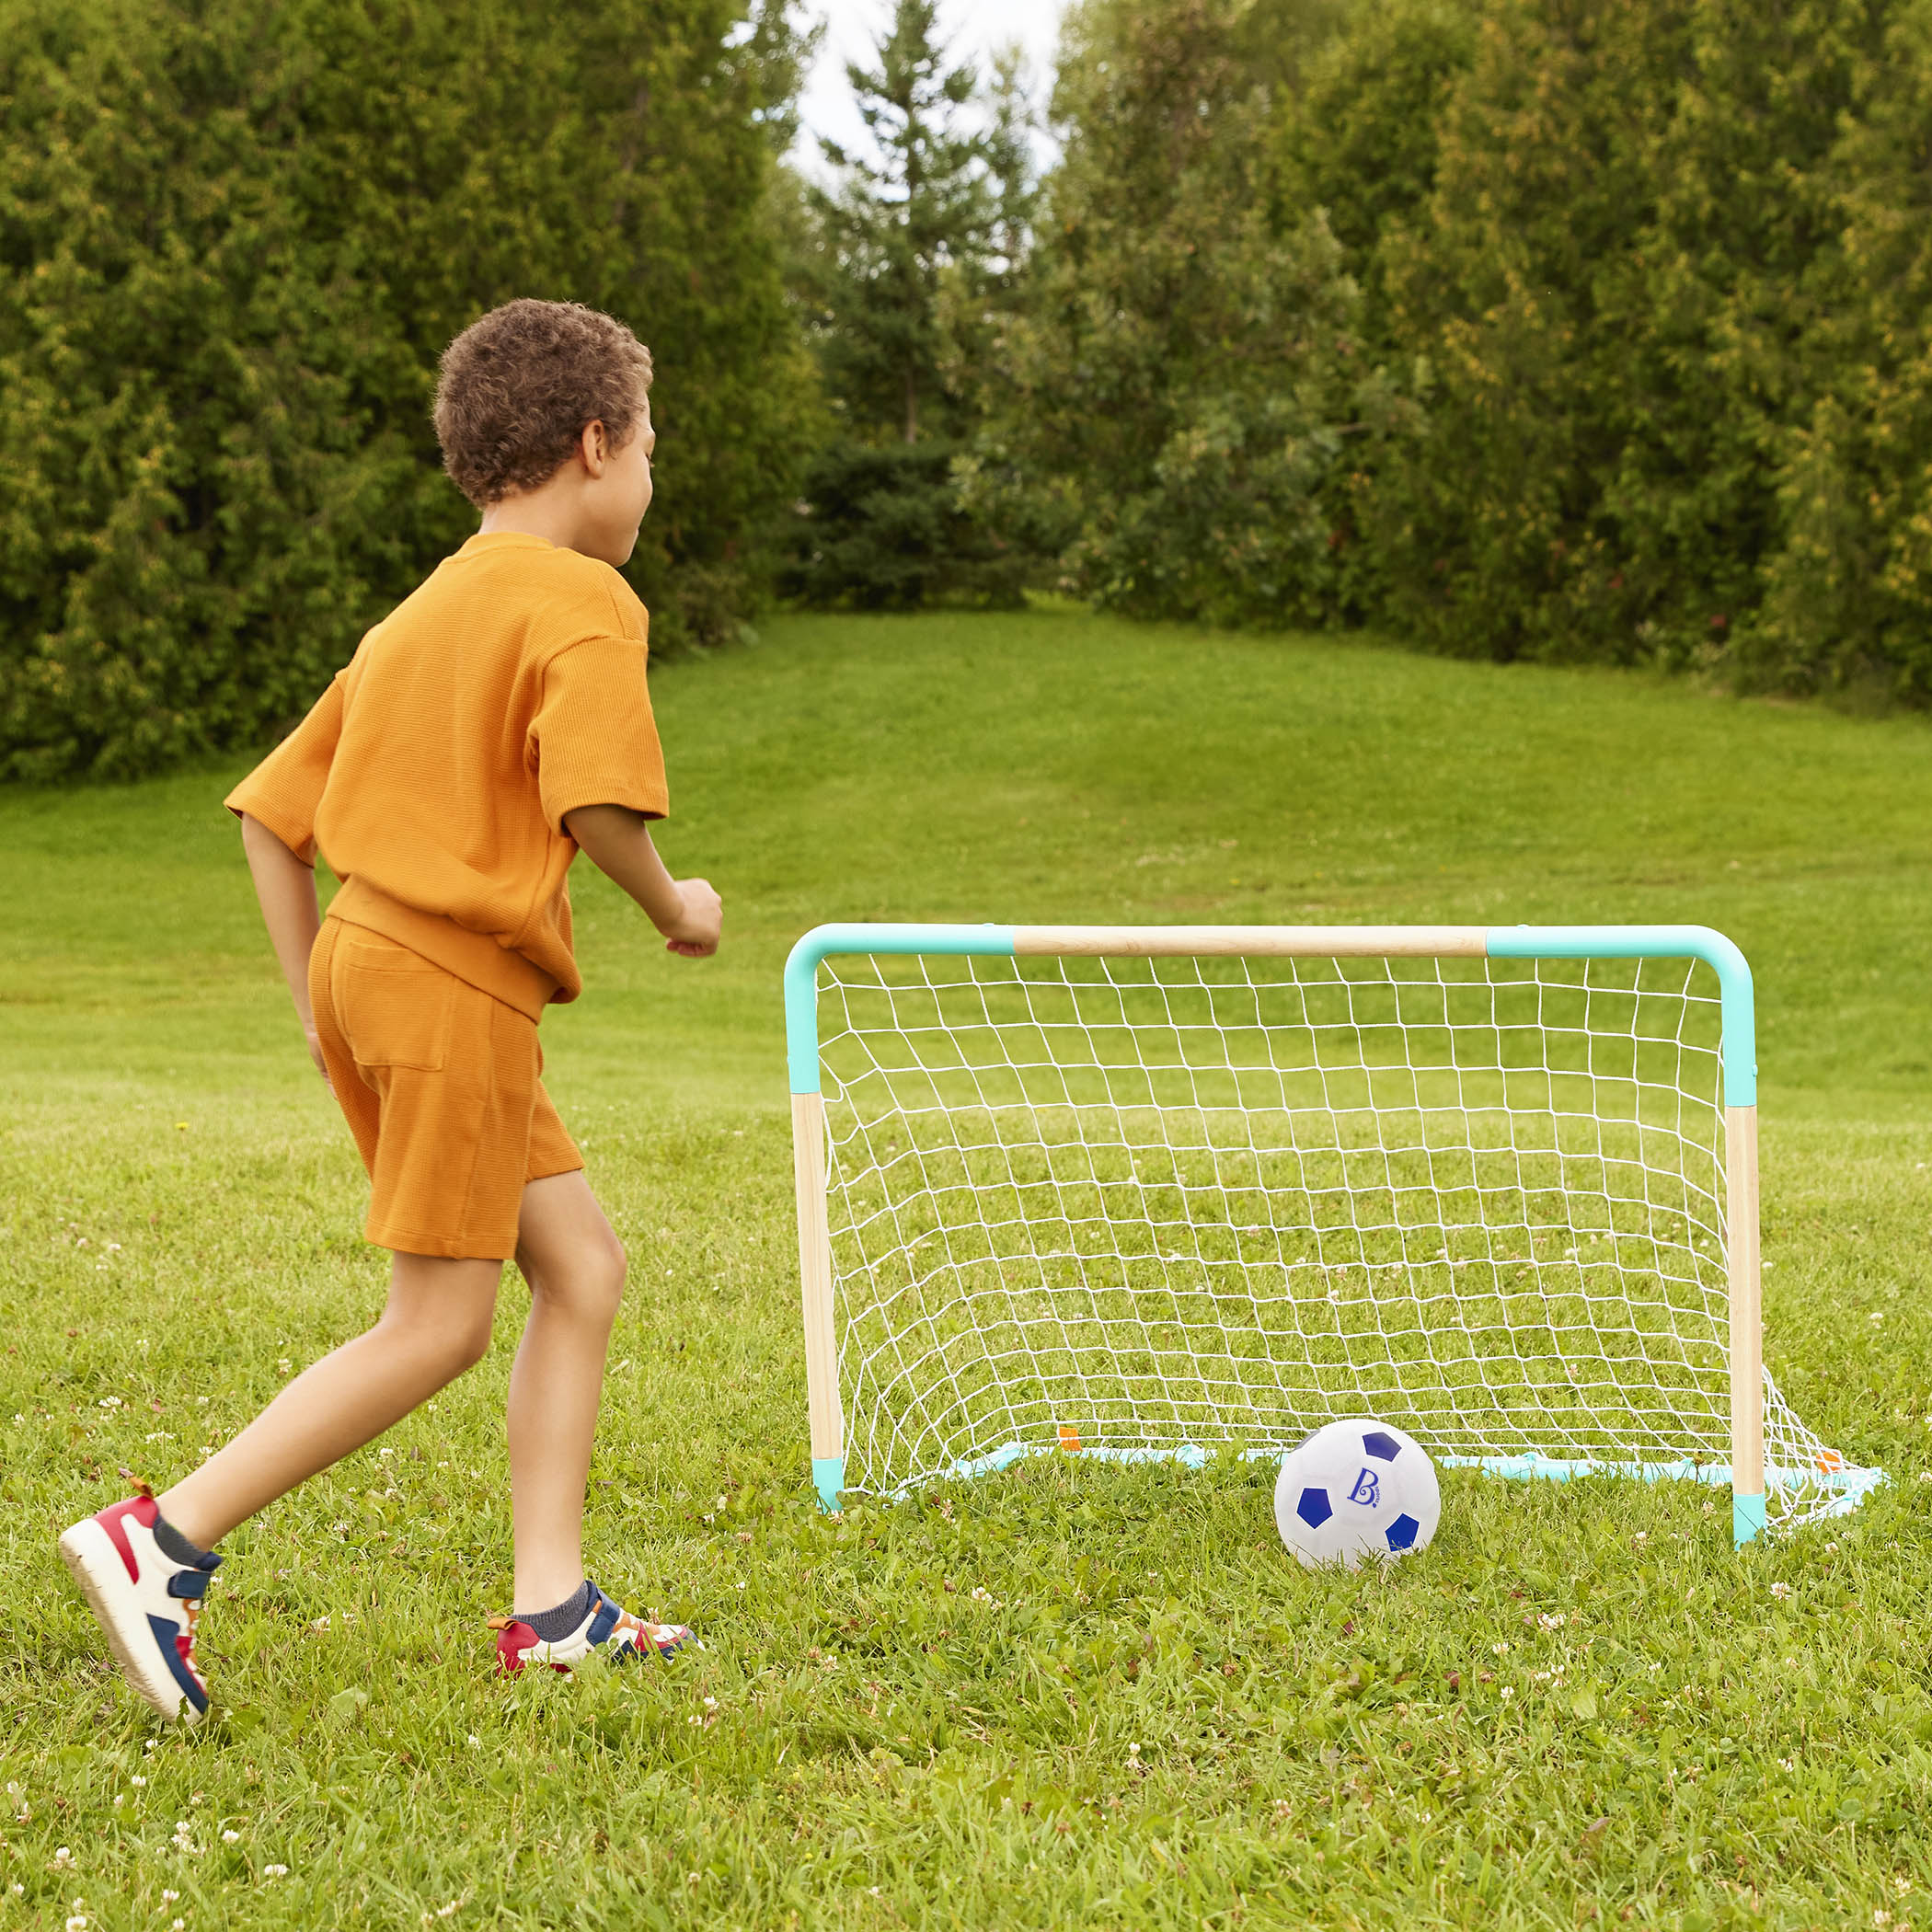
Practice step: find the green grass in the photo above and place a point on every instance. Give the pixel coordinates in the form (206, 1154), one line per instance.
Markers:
(1578, 1704)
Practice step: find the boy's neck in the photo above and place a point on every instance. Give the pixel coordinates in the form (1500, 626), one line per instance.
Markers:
(530, 516)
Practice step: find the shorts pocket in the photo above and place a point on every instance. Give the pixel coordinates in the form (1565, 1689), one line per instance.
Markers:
(394, 1007)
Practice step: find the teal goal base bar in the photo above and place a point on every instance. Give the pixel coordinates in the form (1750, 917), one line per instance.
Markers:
(1747, 1512)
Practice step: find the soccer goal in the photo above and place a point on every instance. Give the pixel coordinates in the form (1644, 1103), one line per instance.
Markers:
(1147, 1192)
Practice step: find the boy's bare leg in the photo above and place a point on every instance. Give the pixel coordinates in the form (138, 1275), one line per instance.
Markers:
(574, 1264)
(436, 1325)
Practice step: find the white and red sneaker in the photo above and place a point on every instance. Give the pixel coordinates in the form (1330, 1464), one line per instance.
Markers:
(145, 1601)
(609, 1626)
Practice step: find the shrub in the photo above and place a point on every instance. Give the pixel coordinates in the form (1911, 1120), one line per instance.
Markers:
(1181, 409)
(883, 530)
(233, 242)
(1608, 287)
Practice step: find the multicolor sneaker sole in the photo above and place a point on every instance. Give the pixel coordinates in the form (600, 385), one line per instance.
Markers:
(145, 1601)
(609, 1628)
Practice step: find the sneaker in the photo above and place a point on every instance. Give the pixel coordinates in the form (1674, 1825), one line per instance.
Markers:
(145, 1601)
(624, 1636)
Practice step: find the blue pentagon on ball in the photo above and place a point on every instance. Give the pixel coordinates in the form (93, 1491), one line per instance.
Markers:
(1314, 1509)
(1383, 1447)
(1402, 1533)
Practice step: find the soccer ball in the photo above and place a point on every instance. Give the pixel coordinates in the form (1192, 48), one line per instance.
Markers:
(1354, 1489)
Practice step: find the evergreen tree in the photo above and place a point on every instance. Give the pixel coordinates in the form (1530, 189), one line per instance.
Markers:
(1179, 409)
(1848, 602)
(903, 252)
(890, 225)
(1608, 282)
(233, 243)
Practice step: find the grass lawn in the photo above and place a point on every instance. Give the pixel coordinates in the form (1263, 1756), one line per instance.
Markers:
(1576, 1706)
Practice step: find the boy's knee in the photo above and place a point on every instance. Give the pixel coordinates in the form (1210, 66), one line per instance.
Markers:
(590, 1282)
(467, 1346)
(605, 1275)
(447, 1348)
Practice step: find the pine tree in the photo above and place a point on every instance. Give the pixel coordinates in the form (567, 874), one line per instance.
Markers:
(891, 223)
(1177, 411)
(904, 253)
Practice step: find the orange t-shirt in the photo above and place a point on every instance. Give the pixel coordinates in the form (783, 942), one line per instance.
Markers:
(435, 771)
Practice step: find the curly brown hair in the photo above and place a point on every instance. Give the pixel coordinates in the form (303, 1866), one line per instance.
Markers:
(517, 387)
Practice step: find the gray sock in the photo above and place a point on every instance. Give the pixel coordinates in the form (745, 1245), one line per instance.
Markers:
(554, 1626)
(172, 1543)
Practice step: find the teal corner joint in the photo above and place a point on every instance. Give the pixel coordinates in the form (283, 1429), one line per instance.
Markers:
(802, 974)
(1658, 942)
(828, 1478)
(1747, 1520)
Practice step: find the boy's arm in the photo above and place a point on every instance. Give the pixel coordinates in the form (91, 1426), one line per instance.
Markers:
(686, 911)
(286, 888)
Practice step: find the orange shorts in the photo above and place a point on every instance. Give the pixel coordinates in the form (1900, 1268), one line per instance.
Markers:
(440, 1083)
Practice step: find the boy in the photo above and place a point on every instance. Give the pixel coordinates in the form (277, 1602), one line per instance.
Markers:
(492, 725)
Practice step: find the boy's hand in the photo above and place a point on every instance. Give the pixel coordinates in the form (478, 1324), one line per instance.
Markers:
(617, 840)
(314, 1053)
(693, 935)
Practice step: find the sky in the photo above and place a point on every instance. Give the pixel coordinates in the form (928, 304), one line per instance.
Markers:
(975, 27)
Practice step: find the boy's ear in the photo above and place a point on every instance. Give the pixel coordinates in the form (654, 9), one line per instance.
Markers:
(593, 446)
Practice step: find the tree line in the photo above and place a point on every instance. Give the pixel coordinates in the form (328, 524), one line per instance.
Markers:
(1559, 329)
(235, 237)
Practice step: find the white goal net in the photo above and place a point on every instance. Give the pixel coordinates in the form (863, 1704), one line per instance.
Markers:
(1148, 1207)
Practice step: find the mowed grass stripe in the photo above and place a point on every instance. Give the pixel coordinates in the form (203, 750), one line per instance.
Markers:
(1577, 1702)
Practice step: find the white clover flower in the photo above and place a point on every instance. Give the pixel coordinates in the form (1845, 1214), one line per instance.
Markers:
(1780, 1591)
(275, 1871)
(231, 1837)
